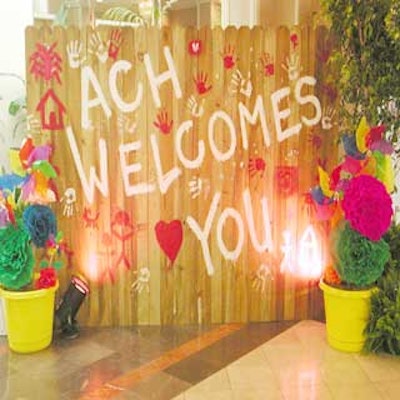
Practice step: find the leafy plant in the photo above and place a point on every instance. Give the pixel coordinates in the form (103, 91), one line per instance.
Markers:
(123, 14)
(383, 328)
(368, 60)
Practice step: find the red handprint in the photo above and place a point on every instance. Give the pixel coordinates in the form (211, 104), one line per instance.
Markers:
(115, 43)
(268, 64)
(201, 83)
(163, 123)
(294, 40)
(229, 57)
(256, 166)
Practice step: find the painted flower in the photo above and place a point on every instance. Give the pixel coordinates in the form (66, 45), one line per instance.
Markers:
(367, 206)
(40, 222)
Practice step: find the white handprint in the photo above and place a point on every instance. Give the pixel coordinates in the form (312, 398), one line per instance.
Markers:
(33, 124)
(142, 281)
(126, 124)
(292, 67)
(98, 47)
(327, 118)
(260, 280)
(195, 187)
(70, 202)
(241, 84)
(197, 110)
(74, 50)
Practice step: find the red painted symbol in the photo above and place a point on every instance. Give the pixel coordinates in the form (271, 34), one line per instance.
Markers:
(169, 236)
(257, 166)
(163, 123)
(46, 63)
(294, 40)
(287, 179)
(268, 64)
(123, 229)
(229, 57)
(195, 47)
(89, 219)
(51, 111)
(201, 83)
(115, 43)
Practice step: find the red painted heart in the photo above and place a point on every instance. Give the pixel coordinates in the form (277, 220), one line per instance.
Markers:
(195, 47)
(169, 236)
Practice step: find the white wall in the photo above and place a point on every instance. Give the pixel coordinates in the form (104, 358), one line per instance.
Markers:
(15, 15)
(240, 13)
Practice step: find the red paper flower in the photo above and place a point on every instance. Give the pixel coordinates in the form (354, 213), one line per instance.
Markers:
(46, 279)
(367, 206)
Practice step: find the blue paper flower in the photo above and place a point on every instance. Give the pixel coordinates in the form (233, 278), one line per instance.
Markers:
(40, 222)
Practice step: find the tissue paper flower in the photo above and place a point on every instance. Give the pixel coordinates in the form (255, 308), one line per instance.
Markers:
(367, 206)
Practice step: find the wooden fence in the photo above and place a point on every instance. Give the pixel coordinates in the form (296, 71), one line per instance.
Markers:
(186, 158)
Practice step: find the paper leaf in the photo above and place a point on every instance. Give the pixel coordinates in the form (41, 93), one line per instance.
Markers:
(10, 181)
(25, 150)
(350, 147)
(324, 182)
(384, 170)
(45, 168)
(58, 265)
(15, 162)
(361, 135)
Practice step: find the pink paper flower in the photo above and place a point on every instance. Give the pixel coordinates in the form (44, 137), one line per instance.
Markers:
(367, 206)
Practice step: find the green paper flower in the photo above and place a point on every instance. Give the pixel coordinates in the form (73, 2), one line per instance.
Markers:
(16, 258)
(358, 260)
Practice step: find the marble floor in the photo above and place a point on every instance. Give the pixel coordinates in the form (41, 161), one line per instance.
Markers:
(232, 361)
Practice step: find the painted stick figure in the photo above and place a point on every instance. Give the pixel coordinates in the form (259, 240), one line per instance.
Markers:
(123, 229)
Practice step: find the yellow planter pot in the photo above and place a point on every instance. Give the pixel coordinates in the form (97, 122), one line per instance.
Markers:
(347, 313)
(29, 318)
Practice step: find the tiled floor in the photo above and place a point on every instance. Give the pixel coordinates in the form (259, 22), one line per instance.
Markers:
(234, 361)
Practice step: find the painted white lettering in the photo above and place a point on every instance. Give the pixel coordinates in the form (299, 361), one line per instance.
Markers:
(235, 253)
(156, 81)
(310, 262)
(246, 116)
(203, 234)
(302, 100)
(279, 115)
(124, 66)
(267, 243)
(287, 264)
(222, 115)
(128, 169)
(190, 164)
(87, 77)
(164, 180)
(93, 181)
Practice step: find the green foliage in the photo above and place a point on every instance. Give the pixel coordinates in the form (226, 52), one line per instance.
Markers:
(358, 260)
(123, 14)
(16, 258)
(383, 328)
(367, 58)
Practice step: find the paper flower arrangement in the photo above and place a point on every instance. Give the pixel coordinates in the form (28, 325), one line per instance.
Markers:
(27, 223)
(355, 200)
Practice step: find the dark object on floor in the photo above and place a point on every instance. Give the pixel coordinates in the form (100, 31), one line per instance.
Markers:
(64, 320)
